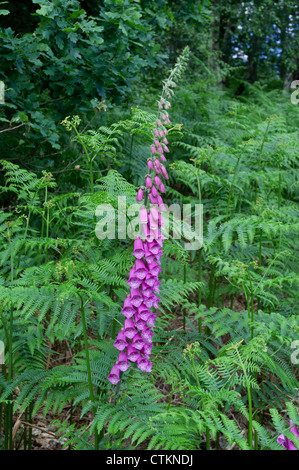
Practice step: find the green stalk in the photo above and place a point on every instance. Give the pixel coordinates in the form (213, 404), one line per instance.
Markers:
(91, 394)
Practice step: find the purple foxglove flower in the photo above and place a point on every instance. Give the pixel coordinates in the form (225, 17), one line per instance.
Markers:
(162, 188)
(150, 164)
(141, 324)
(139, 196)
(163, 158)
(122, 362)
(148, 345)
(154, 247)
(153, 149)
(165, 131)
(160, 149)
(154, 212)
(128, 309)
(148, 181)
(159, 123)
(138, 342)
(138, 248)
(152, 198)
(149, 235)
(146, 290)
(155, 300)
(154, 191)
(143, 364)
(149, 257)
(141, 270)
(165, 141)
(157, 180)
(114, 377)
(133, 353)
(121, 341)
(143, 215)
(147, 334)
(158, 170)
(154, 268)
(136, 298)
(153, 223)
(166, 149)
(156, 133)
(162, 132)
(157, 287)
(161, 205)
(150, 280)
(144, 314)
(133, 280)
(148, 301)
(164, 172)
(151, 320)
(157, 163)
(129, 328)
(157, 143)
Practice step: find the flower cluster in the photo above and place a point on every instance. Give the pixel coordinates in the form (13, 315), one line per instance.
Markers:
(134, 341)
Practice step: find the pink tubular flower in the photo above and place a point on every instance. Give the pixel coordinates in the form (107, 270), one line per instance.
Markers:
(139, 196)
(121, 341)
(143, 215)
(129, 328)
(122, 362)
(128, 309)
(150, 164)
(148, 181)
(114, 377)
(164, 172)
(134, 340)
(133, 353)
(138, 248)
(162, 188)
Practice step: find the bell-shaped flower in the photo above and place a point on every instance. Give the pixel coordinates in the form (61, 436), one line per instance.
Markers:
(129, 328)
(148, 181)
(138, 342)
(114, 376)
(138, 251)
(136, 298)
(122, 362)
(139, 196)
(133, 353)
(128, 309)
(120, 342)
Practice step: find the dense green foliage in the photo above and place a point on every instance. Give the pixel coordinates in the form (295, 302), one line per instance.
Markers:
(227, 319)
